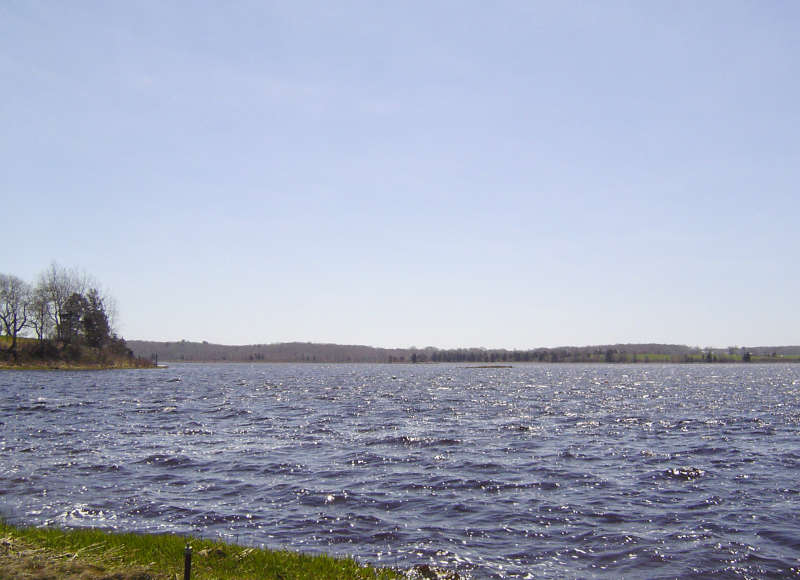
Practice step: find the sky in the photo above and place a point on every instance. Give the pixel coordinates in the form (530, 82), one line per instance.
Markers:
(449, 174)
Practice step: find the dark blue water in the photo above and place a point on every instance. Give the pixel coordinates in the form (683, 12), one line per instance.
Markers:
(534, 471)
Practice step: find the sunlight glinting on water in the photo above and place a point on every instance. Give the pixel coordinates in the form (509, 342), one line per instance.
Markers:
(531, 471)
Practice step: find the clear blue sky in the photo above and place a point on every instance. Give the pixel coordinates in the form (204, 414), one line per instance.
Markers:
(509, 174)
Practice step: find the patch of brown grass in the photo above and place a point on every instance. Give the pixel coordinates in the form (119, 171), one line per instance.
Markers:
(19, 561)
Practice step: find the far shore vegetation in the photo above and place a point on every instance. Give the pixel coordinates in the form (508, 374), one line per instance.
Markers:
(91, 554)
(302, 352)
(63, 321)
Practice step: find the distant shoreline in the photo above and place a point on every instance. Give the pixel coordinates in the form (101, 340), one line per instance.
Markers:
(168, 363)
(308, 352)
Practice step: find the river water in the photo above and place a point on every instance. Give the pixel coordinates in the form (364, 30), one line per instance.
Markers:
(538, 471)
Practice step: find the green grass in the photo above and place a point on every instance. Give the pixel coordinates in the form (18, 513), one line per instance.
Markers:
(94, 554)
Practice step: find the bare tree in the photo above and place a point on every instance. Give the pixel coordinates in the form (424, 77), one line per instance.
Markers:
(40, 318)
(14, 302)
(57, 285)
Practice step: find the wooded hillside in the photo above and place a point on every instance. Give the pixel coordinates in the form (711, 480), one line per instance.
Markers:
(336, 353)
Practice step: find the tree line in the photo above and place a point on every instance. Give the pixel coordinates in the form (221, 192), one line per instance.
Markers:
(63, 311)
(204, 351)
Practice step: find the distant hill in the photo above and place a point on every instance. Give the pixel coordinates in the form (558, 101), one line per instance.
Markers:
(339, 353)
(279, 352)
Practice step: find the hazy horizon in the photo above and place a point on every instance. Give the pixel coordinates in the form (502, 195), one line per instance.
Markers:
(451, 174)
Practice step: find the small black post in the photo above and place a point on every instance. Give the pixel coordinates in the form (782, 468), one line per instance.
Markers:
(187, 562)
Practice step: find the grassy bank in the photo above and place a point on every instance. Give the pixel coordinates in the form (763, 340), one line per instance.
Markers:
(67, 366)
(32, 354)
(95, 555)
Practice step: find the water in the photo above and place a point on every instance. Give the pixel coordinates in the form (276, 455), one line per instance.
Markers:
(540, 471)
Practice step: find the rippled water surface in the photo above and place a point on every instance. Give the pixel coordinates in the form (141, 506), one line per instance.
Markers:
(533, 471)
